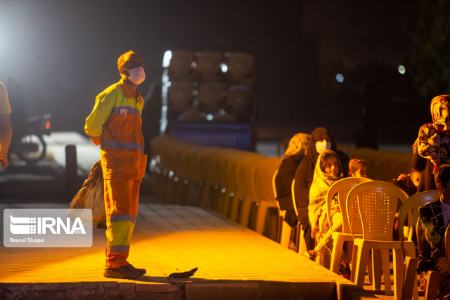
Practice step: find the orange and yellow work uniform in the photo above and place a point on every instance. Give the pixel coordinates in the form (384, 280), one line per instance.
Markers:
(116, 117)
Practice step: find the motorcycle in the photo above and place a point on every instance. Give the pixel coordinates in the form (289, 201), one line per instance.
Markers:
(28, 142)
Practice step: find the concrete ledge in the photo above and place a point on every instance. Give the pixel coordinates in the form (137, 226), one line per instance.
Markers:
(91, 290)
(217, 290)
(261, 290)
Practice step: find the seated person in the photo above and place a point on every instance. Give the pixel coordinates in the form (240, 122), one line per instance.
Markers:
(327, 171)
(425, 167)
(321, 140)
(409, 182)
(294, 153)
(434, 218)
(357, 167)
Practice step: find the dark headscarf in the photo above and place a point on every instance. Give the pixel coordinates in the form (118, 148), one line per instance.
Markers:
(317, 135)
(305, 171)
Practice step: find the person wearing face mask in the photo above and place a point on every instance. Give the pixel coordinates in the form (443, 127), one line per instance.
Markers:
(321, 140)
(115, 125)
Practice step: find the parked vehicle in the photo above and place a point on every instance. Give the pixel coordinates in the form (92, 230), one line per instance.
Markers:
(28, 143)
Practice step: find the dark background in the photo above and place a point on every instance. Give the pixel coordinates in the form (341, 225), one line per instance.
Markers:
(62, 53)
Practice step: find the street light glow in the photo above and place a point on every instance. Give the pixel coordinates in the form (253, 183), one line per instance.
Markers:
(340, 78)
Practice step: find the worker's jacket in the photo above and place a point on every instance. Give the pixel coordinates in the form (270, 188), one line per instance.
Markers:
(116, 117)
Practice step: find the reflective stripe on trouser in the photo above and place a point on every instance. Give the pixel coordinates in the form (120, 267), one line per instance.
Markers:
(121, 206)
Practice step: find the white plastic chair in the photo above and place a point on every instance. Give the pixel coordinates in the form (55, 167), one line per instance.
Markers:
(338, 192)
(377, 205)
(410, 211)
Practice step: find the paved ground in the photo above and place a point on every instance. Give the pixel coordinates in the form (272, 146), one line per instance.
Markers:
(234, 262)
(172, 239)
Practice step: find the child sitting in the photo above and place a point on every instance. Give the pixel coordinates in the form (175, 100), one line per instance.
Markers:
(357, 167)
(328, 170)
(409, 182)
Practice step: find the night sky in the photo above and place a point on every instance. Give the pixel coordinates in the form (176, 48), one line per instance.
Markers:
(63, 53)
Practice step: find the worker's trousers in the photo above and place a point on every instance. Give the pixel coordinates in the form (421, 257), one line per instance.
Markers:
(121, 206)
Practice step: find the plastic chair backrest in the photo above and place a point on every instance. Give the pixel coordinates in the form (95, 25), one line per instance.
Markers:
(263, 177)
(245, 172)
(293, 193)
(409, 210)
(274, 187)
(231, 168)
(340, 189)
(377, 204)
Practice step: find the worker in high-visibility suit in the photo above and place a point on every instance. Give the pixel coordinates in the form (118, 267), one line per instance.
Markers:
(115, 125)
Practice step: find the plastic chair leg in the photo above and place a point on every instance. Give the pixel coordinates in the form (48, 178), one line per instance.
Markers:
(302, 248)
(434, 279)
(411, 251)
(285, 235)
(205, 197)
(244, 215)
(375, 271)
(362, 257)
(398, 262)
(386, 271)
(336, 254)
(410, 281)
(234, 208)
(261, 214)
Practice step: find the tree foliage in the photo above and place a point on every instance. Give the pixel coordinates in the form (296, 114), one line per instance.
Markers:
(431, 54)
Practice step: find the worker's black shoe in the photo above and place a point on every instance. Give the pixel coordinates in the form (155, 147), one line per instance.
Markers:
(124, 272)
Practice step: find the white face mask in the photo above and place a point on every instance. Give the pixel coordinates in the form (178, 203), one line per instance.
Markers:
(322, 146)
(136, 75)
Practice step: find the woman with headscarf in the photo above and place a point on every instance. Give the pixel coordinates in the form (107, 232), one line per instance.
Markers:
(295, 151)
(419, 157)
(433, 143)
(321, 140)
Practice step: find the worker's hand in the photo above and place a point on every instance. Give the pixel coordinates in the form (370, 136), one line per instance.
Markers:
(443, 265)
(96, 139)
(4, 163)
